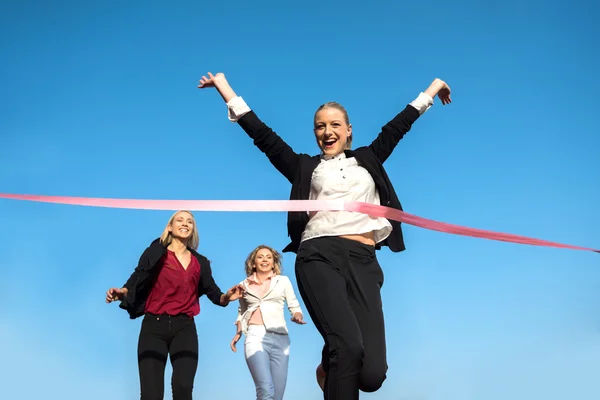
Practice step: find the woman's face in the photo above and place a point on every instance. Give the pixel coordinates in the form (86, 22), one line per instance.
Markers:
(331, 131)
(263, 261)
(182, 226)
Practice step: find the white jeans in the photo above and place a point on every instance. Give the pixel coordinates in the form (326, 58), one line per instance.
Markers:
(267, 355)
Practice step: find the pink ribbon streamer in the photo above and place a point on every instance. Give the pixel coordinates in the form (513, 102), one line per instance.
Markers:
(292, 205)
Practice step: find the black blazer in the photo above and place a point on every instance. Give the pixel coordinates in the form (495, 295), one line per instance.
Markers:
(298, 168)
(143, 278)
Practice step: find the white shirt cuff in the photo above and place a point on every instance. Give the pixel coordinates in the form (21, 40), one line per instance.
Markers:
(422, 103)
(236, 109)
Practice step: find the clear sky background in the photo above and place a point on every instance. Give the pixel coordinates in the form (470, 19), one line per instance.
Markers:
(99, 98)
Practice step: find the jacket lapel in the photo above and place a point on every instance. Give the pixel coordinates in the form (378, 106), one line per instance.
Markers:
(249, 292)
(274, 282)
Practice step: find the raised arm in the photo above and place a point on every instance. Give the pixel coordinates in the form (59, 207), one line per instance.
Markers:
(395, 130)
(281, 155)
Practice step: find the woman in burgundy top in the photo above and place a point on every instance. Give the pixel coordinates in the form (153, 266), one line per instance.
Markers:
(166, 288)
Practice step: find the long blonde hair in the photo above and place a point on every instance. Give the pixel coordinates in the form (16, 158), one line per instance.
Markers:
(167, 237)
(277, 268)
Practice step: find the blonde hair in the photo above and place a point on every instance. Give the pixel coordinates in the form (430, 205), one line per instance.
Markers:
(339, 107)
(277, 268)
(167, 237)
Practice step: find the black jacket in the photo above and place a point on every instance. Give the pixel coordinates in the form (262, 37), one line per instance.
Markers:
(298, 168)
(143, 278)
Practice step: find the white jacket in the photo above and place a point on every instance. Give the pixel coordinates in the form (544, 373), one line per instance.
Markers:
(271, 305)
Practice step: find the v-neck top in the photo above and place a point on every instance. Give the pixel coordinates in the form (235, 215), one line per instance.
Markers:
(176, 289)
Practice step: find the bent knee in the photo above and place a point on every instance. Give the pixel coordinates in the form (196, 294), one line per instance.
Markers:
(371, 380)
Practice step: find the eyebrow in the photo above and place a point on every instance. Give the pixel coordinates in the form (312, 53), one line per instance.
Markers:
(333, 120)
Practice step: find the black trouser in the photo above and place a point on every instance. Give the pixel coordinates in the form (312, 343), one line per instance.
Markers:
(340, 282)
(160, 336)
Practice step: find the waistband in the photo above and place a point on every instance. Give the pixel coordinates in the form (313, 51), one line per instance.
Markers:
(167, 316)
(261, 329)
(338, 242)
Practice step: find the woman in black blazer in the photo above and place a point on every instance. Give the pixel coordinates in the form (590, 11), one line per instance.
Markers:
(337, 271)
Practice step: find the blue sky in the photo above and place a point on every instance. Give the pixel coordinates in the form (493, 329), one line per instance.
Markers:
(99, 99)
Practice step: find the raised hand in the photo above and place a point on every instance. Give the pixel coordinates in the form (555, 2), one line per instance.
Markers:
(114, 294)
(444, 94)
(441, 89)
(219, 82)
(211, 81)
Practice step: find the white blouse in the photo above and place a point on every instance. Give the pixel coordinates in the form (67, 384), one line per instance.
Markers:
(340, 178)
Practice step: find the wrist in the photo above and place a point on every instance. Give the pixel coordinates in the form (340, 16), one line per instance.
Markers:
(435, 87)
(225, 90)
(221, 83)
(439, 84)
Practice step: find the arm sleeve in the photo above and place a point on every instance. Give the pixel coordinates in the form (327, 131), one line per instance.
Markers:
(290, 298)
(394, 131)
(208, 285)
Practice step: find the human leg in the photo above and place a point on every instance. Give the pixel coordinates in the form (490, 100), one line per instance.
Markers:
(319, 271)
(259, 362)
(152, 357)
(184, 356)
(365, 279)
(279, 352)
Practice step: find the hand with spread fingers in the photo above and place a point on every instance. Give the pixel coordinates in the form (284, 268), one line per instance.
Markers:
(234, 293)
(211, 80)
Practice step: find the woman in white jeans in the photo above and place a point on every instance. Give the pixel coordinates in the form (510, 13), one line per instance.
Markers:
(261, 318)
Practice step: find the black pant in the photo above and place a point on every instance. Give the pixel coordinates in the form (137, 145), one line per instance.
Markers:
(340, 282)
(160, 336)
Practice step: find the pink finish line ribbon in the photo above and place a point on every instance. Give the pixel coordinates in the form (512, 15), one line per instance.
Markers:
(292, 205)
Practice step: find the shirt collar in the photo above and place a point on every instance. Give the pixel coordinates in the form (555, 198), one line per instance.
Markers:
(326, 157)
(254, 279)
